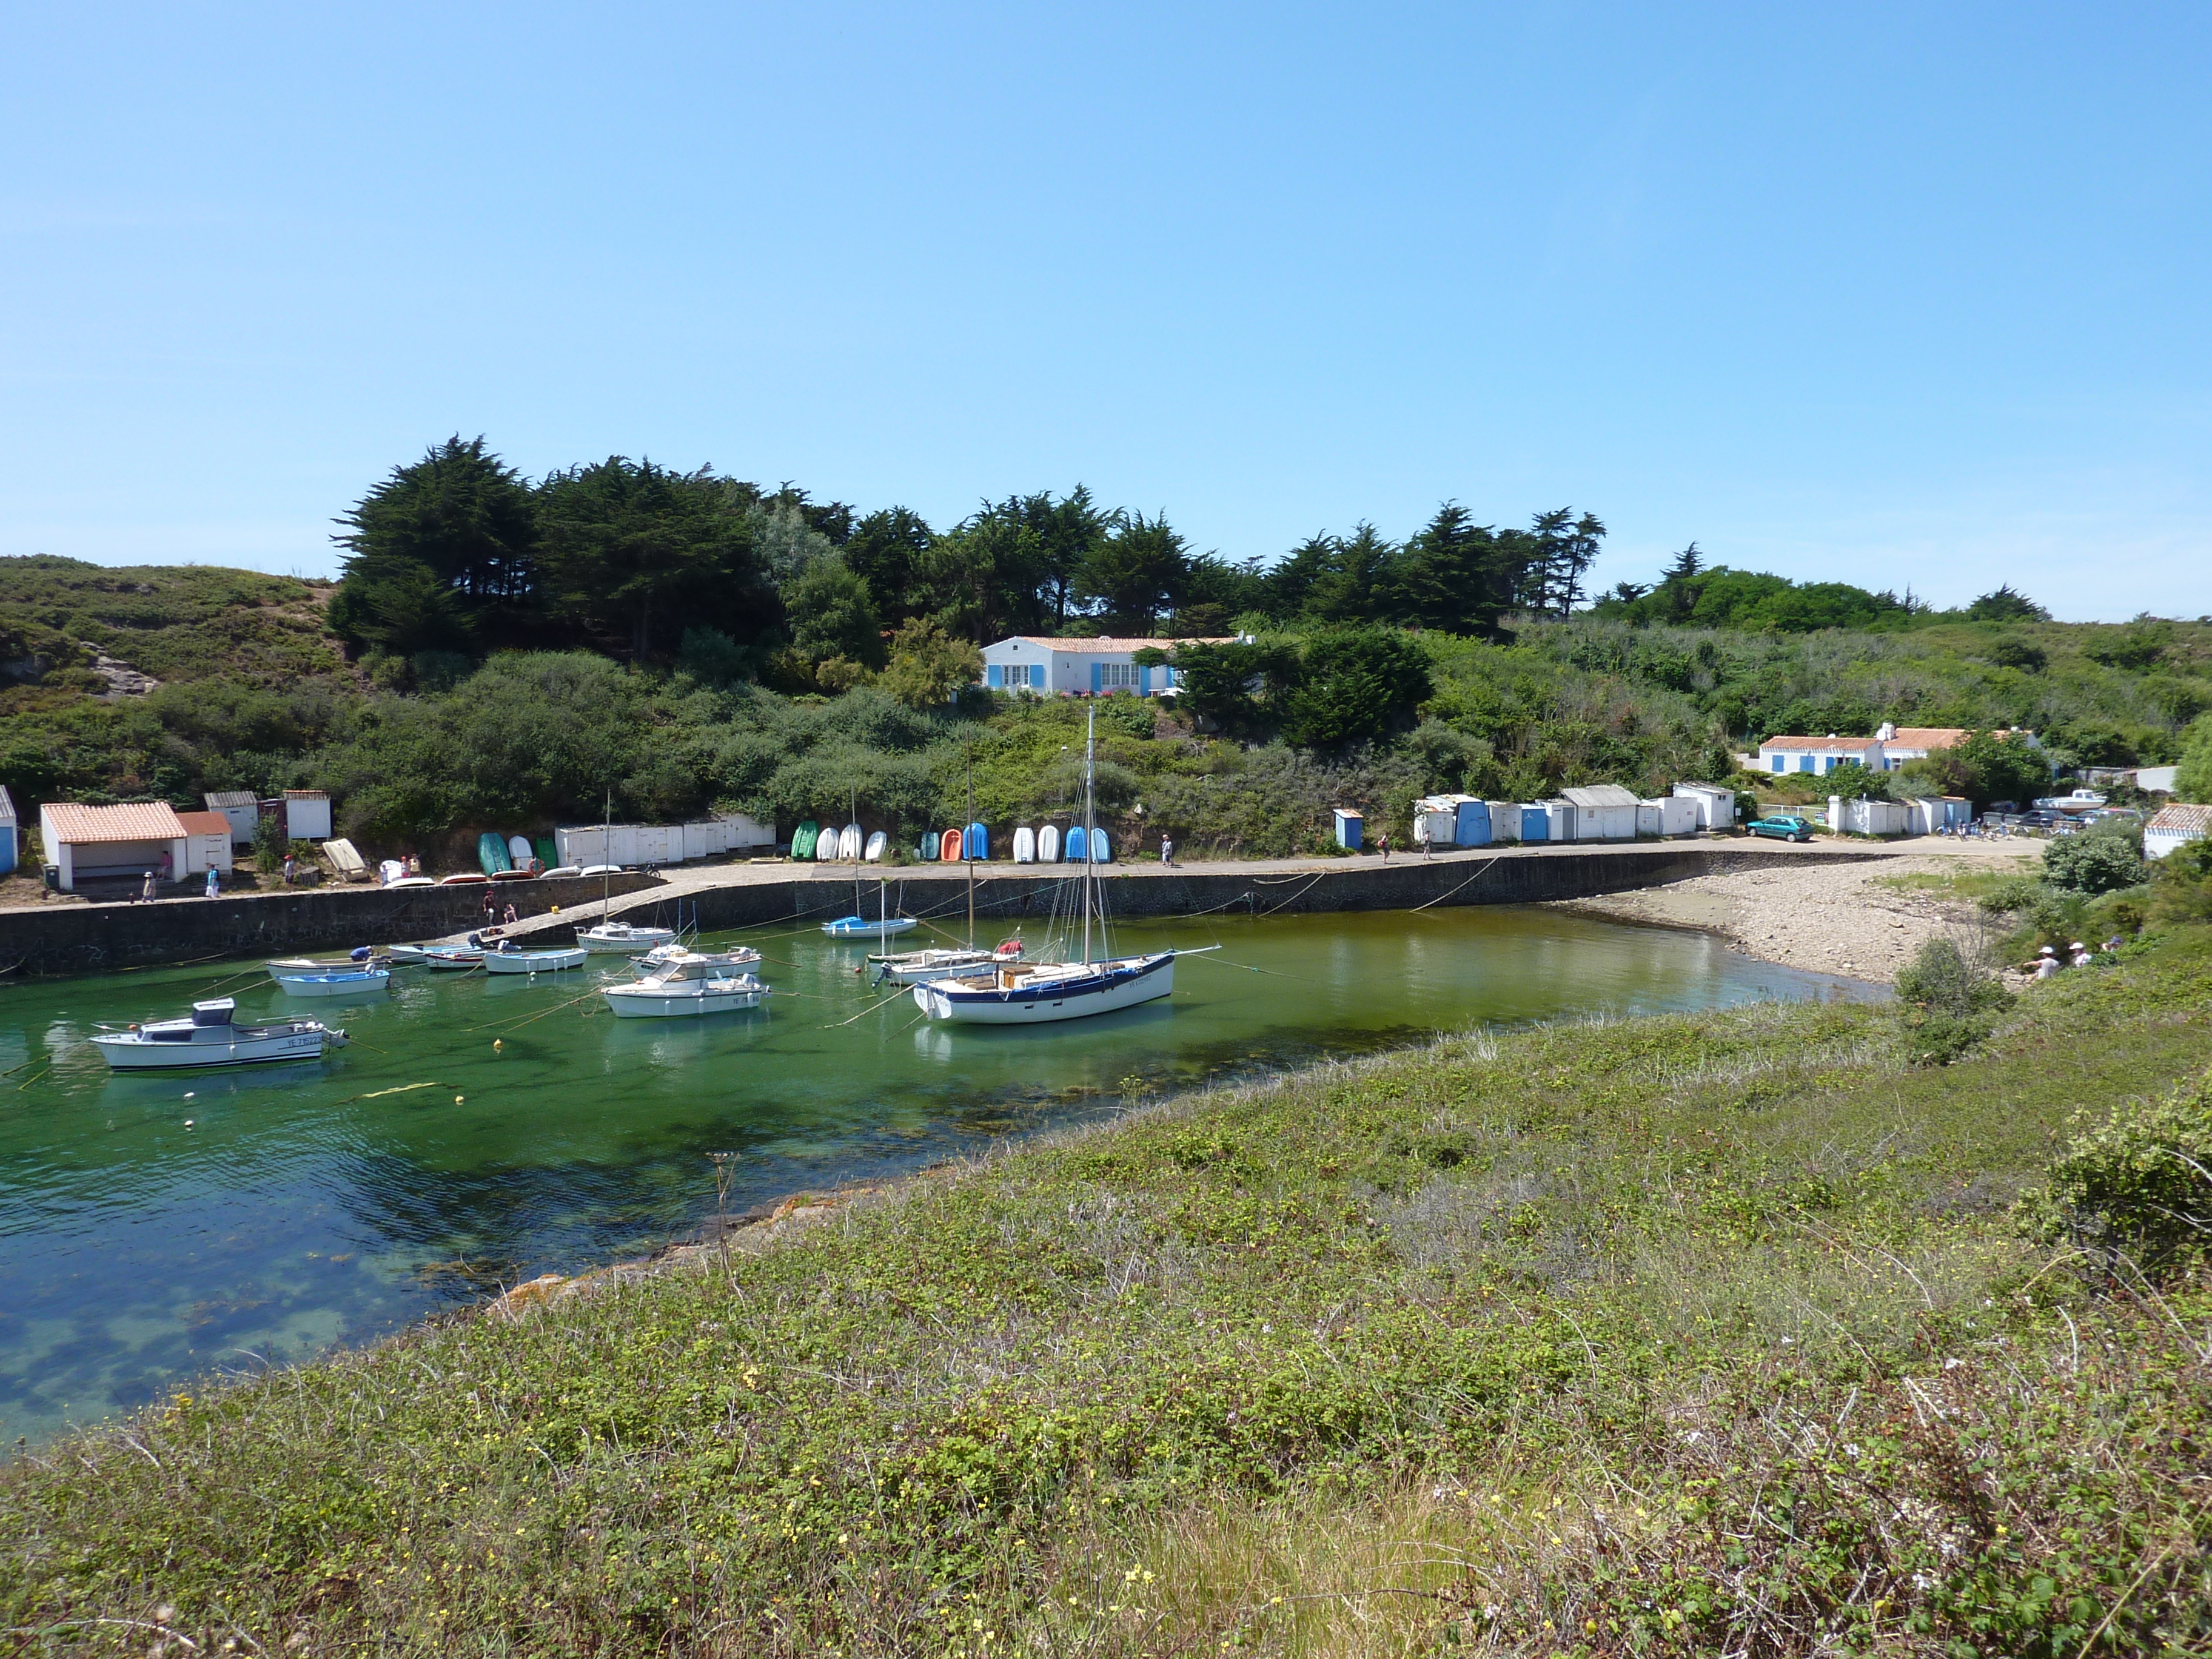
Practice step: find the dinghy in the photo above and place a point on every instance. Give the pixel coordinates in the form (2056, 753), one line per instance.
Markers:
(877, 844)
(826, 847)
(1101, 850)
(466, 879)
(978, 842)
(1047, 844)
(533, 961)
(803, 839)
(850, 840)
(491, 852)
(519, 853)
(1026, 845)
(336, 982)
(212, 1037)
(452, 959)
(362, 957)
(929, 848)
(1073, 844)
(940, 962)
(861, 927)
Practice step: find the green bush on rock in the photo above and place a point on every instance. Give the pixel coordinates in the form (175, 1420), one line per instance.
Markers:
(2135, 1185)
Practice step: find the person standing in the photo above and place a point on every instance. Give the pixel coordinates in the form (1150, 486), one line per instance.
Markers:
(146, 892)
(291, 864)
(214, 887)
(1167, 849)
(1382, 841)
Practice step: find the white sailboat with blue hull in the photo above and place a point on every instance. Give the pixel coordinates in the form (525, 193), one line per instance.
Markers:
(1044, 992)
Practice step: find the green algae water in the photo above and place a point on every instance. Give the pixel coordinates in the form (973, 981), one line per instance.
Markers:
(156, 1228)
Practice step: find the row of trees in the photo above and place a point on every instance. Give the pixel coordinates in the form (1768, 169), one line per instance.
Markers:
(1691, 593)
(458, 553)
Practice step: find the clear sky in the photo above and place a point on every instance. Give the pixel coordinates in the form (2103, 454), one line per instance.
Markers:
(1913, 295)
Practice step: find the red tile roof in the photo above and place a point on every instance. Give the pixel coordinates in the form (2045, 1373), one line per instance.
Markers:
(1936, 737)
(1106, 642)
(2182, 819)
(1834, 745)
(205, 823)
(138, 821)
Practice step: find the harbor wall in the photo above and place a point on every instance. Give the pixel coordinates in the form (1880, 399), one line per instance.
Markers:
(1007, 893)
(92, 938)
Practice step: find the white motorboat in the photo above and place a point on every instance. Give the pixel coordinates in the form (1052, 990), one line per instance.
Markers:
(288, 967)
(336, 982)
(942, 962)
(1039, 993)
(408, 955)
(452, 959)
(533, 961)
(691, 983)
(743, 956)
(624, 938)
(211, 1037)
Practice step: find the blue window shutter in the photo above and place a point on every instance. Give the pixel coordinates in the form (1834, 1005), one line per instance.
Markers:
(1804, 763)
(994, 675)
(1144, 681)
(1095, 668)
(1777, 762)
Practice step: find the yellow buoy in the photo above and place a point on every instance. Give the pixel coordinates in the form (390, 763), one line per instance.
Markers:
(458, 1099)
(498, 1043)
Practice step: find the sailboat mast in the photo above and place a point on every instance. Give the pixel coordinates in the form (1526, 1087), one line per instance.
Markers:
(967, 848)
(606, 861)
(1090, 829)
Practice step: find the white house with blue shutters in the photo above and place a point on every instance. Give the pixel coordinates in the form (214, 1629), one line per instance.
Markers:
(1095, 667)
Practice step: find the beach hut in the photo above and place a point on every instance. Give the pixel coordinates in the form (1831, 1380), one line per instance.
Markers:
(207, 843)
(2173, 828)
(241, 811)
(1715, 805)
(307, 815)
(1471, 822)
(7, 832)
(1667, 815)
(1558, 821)
(1505, 819)
(1349, 826)
(1603, 811)
(1435, 822)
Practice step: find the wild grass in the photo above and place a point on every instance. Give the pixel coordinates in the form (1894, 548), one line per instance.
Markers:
(1704, 1334)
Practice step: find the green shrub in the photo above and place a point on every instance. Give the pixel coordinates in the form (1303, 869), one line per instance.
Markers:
(2016, 894)
(2134, 1182)
(2181, 888)
(2099, 861)
(1950, 1003)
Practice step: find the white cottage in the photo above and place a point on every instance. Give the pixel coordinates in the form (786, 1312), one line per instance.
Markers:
(239, 809)
(1094, 667)
(1715, 805)
(1819, 756)
(2172, 827)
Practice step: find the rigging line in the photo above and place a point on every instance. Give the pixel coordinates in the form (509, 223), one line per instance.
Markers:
(1273, 973)
(1294, 897)
(1448, 892)
(870, 1009)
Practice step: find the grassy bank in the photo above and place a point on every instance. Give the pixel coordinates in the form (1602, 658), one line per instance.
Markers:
(1701, 1334)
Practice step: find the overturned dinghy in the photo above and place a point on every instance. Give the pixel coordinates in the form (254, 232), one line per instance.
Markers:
(212, 1038)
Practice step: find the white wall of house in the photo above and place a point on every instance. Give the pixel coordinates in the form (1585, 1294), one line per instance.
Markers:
(204, 853)
(1790, 759)
(1048, 667)
(307, 816)
(1715, 806)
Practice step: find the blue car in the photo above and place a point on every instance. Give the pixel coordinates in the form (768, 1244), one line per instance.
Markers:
(1782, 826)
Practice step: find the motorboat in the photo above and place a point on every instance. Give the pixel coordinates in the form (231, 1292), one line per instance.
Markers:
(284, 967)
(212, 1037)
(941, 962)
(534, 962)
(1022, 992)
(624, 937)
(408, 955)
(691, 983)
(452, 959)
(743, 956)
(336, 982)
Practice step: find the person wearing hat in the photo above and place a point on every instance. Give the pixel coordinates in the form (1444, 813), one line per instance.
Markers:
(2047, 964)
(2081, 953)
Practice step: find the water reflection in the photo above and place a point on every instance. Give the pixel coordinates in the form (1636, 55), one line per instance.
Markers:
(483, 1126)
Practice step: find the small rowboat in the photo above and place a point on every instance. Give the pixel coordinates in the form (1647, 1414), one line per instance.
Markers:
(533, 961)
(452, 959)
(348, 982)
(860, 927)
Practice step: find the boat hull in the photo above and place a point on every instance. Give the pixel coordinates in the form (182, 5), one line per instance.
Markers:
(533, 961)
(634, 942)
(636, 1002)
(130, 1054)
(1118, 985)
(335, 984)
(849, 928)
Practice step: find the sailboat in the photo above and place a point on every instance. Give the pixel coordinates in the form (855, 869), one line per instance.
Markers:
(1038, 993)
(856, 925)
(943, 962)
(610, 935)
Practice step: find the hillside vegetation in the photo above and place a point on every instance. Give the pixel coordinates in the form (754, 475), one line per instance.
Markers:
(1754, 1331)
(502, 653)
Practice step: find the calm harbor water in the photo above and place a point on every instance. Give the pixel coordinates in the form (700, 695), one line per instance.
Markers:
(311, 1206)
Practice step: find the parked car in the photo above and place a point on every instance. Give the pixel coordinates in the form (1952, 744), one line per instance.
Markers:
(1783, 826)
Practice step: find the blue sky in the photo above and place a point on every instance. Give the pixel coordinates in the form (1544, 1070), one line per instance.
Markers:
(1905, 297)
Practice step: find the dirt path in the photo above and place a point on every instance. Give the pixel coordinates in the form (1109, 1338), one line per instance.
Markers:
(1836, 919)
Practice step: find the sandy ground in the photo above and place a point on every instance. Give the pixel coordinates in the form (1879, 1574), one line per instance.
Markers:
(1835, 919)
